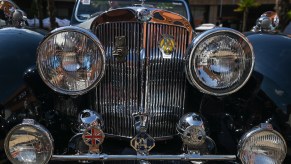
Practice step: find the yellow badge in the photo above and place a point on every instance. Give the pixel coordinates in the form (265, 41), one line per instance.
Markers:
(167, 46)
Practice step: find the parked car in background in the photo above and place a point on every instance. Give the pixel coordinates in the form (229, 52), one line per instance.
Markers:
(132, 81)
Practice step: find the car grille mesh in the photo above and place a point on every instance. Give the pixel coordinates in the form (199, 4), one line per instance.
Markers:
(144, 81)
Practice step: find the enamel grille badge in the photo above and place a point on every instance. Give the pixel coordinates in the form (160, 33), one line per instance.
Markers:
(93, 137)
(167, 46)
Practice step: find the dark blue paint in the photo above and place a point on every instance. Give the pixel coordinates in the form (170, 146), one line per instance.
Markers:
(17, 53)
(273, 61)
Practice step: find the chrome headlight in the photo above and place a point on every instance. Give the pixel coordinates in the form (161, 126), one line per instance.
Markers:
(220, 61)
(71, 60)
(262, 145)
(28, 143)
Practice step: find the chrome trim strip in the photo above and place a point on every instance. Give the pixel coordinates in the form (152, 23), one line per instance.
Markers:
(105, 157)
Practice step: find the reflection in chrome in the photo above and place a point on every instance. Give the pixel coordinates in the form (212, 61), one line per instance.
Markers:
(28, 142)
(220, 61)
(71, 60)
(267, 22)
(262, 145)
(145, 82)
(87, 118)
(191, 129)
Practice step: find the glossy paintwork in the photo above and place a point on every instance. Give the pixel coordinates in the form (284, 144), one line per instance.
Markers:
(17, 53)
(273, 56)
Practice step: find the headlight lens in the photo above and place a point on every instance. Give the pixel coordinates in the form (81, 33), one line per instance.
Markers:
(71, 60)
(220, 61)
(262, 145)
(28, 143)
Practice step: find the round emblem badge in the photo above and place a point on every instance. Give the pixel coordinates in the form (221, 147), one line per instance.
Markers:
(167, 45)
(93, 136)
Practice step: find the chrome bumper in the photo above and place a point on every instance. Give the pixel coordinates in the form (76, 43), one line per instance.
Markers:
(106, 157)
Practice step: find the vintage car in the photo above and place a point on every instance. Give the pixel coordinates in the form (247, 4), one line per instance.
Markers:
(131, 81)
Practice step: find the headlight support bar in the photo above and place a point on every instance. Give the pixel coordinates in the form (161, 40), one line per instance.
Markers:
(106, 157)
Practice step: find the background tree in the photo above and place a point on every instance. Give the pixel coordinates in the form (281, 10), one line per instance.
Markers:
(244, 6)
(39, 6)
(51, 13)
(282, 8)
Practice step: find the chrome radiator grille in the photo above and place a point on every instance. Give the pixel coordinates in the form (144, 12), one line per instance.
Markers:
(145, 81)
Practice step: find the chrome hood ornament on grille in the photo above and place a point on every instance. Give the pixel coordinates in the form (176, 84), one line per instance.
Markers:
(144, 14)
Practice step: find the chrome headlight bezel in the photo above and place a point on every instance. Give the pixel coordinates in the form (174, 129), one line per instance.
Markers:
(88, 35)
(191, 57)
(30, 123)
(264, 127)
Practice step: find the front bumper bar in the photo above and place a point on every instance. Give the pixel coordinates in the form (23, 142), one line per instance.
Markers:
(106, 157)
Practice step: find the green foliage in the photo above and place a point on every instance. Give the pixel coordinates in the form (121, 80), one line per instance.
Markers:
(246, 4)
(289, 14)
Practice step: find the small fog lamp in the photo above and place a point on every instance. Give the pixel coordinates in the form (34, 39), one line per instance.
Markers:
(262, 145)
(28, 142)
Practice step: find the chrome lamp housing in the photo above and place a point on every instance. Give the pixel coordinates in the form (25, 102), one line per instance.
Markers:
(262, 144)
(29, 142)
(71, 60)
(220, 61)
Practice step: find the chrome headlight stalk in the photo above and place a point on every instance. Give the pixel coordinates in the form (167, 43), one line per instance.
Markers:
(29, 142)
(219, 61)
(71, 60)
(191, 129)
(262, 144)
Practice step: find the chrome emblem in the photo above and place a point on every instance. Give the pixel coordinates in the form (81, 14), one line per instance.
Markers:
(120, 49)
(142, 143)
(167, 46)
(93, 137)
(194, 135)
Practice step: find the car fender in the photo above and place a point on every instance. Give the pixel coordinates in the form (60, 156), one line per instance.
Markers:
(273, 56)
(17, 53)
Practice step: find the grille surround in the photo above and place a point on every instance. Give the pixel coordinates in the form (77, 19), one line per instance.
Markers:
(145, 81)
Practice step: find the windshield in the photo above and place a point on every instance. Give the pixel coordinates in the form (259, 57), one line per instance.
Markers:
(88, 8)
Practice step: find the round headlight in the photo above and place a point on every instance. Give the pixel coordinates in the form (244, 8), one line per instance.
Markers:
(28, 143)
(262, 145)
(71, 60)
(220, 61)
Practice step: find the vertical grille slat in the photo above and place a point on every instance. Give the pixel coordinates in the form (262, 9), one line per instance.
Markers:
(145, 81)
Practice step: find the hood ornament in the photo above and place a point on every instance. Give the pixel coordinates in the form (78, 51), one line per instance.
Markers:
(144, 14)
